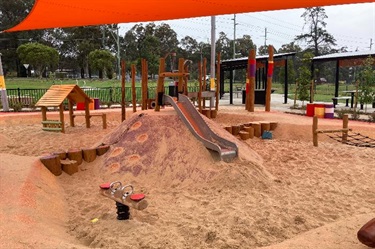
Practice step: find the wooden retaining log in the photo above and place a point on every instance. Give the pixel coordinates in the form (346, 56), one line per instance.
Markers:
(89, 154)
(244, 135)
(52, 163)
(257, 129)
(235, 129)
(265, 126)
(207, 113)
(69, 166)
(76, 155)
(101, 150)
(61, 153)
(229, 129)
(273, 125)
(250, 130)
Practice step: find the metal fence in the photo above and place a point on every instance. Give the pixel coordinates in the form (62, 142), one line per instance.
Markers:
(106, 95)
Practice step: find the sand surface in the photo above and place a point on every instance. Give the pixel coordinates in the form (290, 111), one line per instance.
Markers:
(279, 193)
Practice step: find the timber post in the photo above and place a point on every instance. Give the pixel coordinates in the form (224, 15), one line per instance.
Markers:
(160, 86)
(123, 107)
(269, 78)
(250, 87)
(71, 118)
(314, 130)
(61, 111)
(345, 121)
(200, 87)
(134, 95)
(217, 81)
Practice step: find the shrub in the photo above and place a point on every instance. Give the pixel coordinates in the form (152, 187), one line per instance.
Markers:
(372, 117)
(16, 106)
(355, 115)
(341, 113)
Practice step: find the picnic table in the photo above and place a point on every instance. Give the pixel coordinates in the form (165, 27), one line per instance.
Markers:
(352, 94)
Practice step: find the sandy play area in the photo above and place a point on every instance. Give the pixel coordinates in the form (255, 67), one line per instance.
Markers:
(279, 193)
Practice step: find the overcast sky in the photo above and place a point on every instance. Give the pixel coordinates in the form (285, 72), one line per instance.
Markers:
(352, 25)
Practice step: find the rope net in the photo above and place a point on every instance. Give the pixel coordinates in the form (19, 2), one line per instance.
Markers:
(354, 139)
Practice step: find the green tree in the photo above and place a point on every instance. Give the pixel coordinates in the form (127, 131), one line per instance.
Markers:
(367, 82)
(12, 13)
(317, 37)
(102, 60)
(287, 48)
(263, 50)
(224, 45)
(39, 56)
(189, 46)
(151, 53)
(141, 42)
(304, 78)
(78, 43)
(167, 37)
(244, 44)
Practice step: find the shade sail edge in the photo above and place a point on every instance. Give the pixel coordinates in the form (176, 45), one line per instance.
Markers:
(71, 13)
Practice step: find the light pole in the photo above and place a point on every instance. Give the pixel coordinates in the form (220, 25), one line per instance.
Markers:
(234, 41)
(234, 35)
(213, 51)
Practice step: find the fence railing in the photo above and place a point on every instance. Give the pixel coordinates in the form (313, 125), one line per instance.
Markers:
(106, 95)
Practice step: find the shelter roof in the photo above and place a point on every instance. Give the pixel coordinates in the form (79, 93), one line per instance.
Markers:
(72, 13)
(345, 55)
(242, 62)
(56, 94)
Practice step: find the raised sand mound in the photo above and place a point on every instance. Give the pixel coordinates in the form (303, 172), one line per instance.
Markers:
(161, 150)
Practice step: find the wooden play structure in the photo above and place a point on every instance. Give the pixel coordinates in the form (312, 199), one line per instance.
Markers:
(182, 75)
(145, 101)
(344, 130)
(55, 97)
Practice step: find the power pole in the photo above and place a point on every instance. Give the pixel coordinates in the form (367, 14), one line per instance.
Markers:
(118, 54)
(265, 37)
(234, 40)
(234, 35)
(371, 43)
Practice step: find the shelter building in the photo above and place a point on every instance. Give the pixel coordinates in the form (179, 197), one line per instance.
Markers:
(280, 60)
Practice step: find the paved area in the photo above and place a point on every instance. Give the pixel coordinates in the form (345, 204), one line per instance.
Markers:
(277, 103)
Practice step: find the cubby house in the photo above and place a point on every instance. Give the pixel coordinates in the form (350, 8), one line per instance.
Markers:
(55, 97)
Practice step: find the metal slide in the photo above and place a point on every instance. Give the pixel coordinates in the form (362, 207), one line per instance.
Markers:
(194, 121)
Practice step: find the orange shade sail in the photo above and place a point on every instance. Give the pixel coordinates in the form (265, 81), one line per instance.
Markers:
(71, 13)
